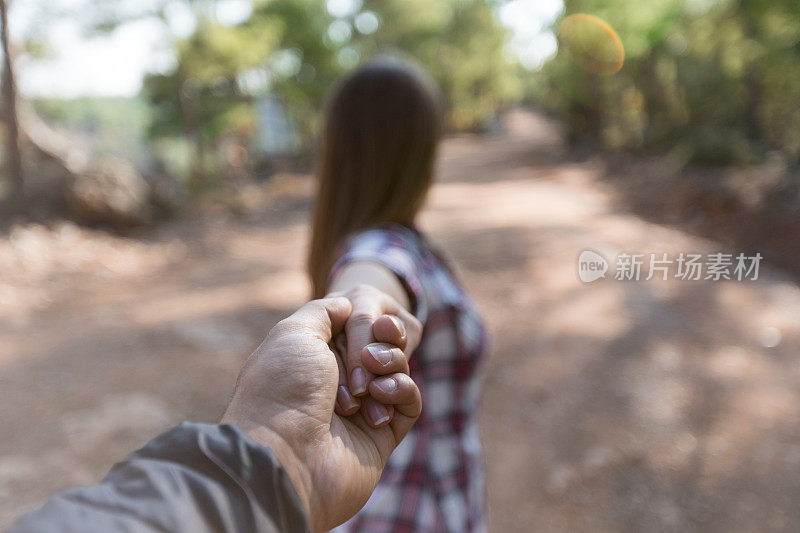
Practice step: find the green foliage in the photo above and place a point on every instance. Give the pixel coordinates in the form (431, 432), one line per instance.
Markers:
(295, 50)
(717, 80)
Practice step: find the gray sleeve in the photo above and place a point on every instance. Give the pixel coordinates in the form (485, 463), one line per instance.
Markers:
(194, 478)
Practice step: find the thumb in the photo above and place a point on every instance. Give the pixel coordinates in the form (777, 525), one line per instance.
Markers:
(322, 319)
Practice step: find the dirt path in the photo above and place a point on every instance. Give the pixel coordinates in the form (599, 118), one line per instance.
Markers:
(649, 406)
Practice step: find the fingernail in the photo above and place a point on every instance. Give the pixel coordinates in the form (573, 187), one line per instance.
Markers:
(377, 412)
(382, 355)
(401, 328)
(386, 384)
(358, 381)
(345, 399)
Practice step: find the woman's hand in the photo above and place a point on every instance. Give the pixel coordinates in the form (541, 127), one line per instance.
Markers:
(372, 344)
(286, 395)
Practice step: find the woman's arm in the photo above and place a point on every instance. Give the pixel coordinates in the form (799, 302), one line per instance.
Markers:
(374, 274)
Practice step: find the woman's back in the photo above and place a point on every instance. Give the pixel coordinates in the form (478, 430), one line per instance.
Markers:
(434, 480)
(375, 168)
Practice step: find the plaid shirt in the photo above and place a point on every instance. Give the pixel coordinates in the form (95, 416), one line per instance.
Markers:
(434, 479)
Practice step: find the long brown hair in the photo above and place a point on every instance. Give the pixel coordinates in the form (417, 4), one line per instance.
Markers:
(375, 165)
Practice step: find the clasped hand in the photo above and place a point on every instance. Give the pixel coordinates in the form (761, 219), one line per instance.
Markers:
(332, 419)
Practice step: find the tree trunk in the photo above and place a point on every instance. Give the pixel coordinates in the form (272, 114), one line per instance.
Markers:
(749, 13)
(193, 132)
(13, 153)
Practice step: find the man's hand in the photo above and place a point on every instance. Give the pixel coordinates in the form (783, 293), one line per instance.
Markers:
(286, 395)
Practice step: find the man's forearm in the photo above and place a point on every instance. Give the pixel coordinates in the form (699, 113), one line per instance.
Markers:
(195, 478)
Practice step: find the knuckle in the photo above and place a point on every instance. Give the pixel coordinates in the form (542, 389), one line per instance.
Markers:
(362, 289)
(333, 299)
(289, 326)
(361, 317)
(281, 328)
(367, 288)
(413, 328)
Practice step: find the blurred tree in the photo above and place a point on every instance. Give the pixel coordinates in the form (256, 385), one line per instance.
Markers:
(717, 80)
(221, 70)
(296, 49)
(13, 153)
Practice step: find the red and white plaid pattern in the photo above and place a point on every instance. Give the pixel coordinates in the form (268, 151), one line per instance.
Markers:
(434, 480)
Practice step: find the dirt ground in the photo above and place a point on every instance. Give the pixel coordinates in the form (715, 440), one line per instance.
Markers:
(614, 406)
